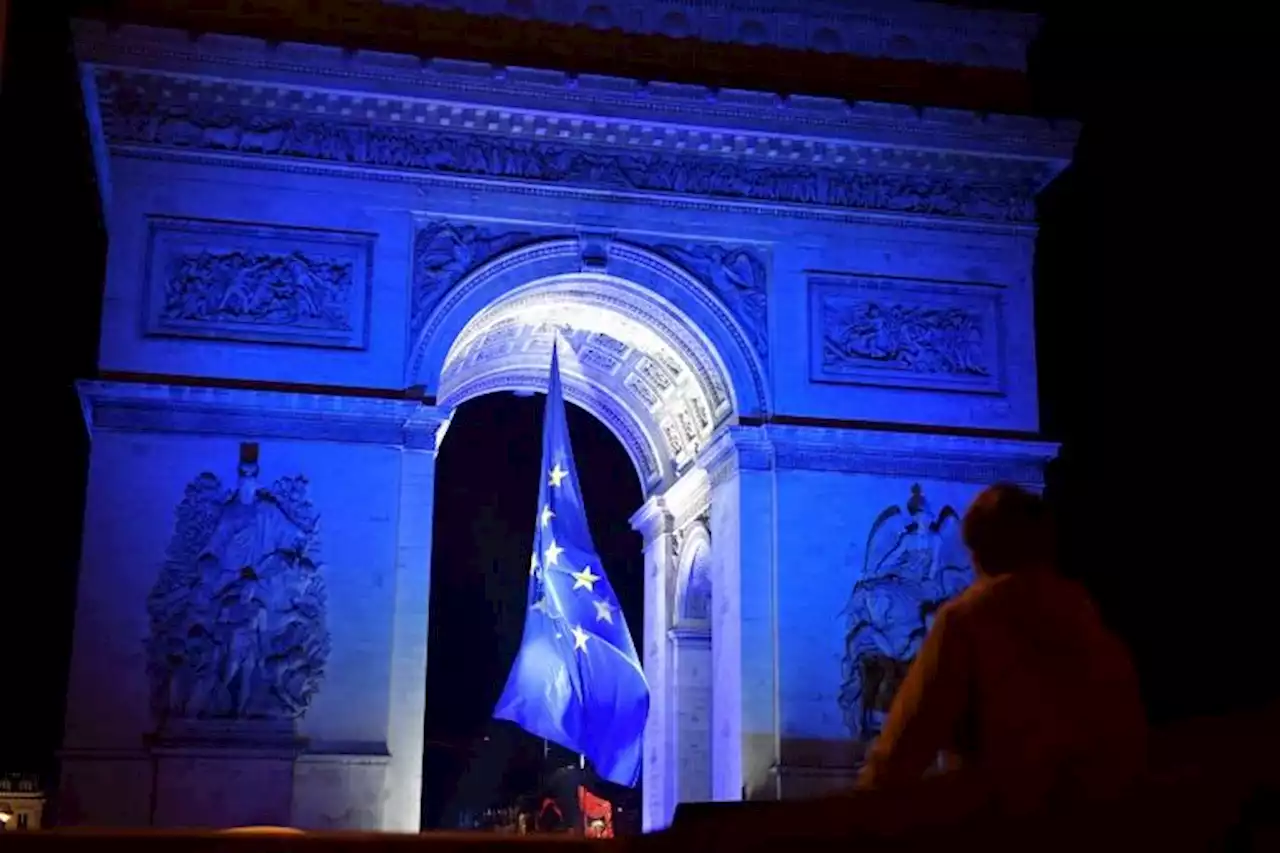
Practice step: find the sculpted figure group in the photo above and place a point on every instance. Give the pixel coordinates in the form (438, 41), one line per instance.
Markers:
(914, 561)
(238, 613)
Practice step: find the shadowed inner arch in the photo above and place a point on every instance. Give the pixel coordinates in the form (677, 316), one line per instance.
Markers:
(626, 356)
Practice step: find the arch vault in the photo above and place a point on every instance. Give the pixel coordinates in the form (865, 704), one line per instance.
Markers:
(649, 351)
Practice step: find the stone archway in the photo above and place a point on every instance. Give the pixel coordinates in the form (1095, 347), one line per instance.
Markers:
(652, 297)
(664, 365)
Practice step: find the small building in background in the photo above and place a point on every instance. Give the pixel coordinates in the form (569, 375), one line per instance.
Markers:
(21, 802)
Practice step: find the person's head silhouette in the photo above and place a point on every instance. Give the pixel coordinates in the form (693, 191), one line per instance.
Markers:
(1008, 529)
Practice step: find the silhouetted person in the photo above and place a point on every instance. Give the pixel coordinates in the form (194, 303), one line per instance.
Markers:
(550, 818)
(1018, 684)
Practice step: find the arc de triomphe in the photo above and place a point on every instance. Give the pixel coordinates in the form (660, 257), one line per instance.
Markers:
(795, 314)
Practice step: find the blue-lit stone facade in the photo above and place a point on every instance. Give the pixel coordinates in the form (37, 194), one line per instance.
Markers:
(895, 29)
(293, 226)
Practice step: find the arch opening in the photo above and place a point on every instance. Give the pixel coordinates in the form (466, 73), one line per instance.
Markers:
(627, 355)
(488, 469)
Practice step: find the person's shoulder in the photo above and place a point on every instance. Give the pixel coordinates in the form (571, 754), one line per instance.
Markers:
(965, 604)
(982, 595)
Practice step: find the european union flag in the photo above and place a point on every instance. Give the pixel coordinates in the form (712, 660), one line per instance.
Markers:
(577, 679)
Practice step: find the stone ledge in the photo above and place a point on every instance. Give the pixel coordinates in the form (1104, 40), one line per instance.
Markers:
(396, 76)
(687, 636)
(911, 454)
(142, 407)
(395, 67)
(886, 453)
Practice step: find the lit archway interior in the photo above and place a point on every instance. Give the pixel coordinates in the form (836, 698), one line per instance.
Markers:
(626, 356)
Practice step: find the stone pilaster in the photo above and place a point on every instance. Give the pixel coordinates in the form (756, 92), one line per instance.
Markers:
(691, 713)
(408, 705)
(654, 523)
(743, 622)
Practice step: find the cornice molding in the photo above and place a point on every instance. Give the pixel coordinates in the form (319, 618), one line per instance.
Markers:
(884, 453)
(911, 455)
(652, 520)
(395, 78)
(735, 449)
(688, 496)
(937, 70)
(688, 637)
(135, 407)
(913, 30)
(157, 98)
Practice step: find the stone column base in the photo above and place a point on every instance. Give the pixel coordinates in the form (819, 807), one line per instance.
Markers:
(220, 774)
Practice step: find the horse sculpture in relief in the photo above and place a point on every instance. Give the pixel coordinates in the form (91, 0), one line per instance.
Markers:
(913, 562)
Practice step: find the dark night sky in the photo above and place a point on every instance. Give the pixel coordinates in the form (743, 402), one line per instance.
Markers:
(1148, 374)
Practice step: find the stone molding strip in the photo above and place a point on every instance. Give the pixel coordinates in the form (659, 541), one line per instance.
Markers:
(885, 453)
(257, 123)
(137, 407)
(387, 78)
(152, 407)
(996, 38)
(373, 753)
(457, 35)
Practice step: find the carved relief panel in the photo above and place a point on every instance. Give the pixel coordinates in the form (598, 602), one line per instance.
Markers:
(238, 612)
(907, 333)
(737, 277)
(444, 252)
(911, 563)
(262, 283)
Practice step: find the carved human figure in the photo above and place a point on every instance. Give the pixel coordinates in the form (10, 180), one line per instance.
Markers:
(444, 253)
(697, 600)
(696, 559)
(254, 287)
(737, 277)
(132, 118)
(918, 338)
(238, 613)
(239, 626)
(912, 563)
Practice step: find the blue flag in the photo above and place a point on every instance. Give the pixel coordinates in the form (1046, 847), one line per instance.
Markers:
(577, 679)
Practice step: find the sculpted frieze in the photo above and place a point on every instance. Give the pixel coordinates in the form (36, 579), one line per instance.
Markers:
(916, 338)
(444, 252)
(238, 613)
(132, 119)
(258, 283)
(912, 563)
(905, 333)
(735, 275)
